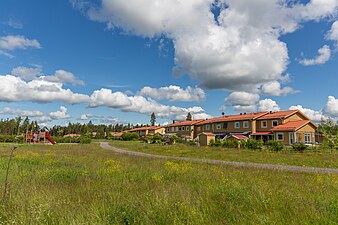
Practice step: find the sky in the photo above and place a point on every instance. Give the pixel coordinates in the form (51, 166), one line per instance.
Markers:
(113, 61)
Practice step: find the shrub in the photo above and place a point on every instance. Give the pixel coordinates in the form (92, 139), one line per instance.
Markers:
(156, 139)
(218, 143)
(254, 144)
(275, 146)
(85, 140)
(299, 147)
(212, 142)
(230, 144)
(130, 136)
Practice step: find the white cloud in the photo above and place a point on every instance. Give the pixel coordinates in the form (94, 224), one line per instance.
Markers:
(62, 76)
(333, 33)
(11, 42)
(268, 105)
(241, 51)
(26, 73)
(19, 112)
(324, 54)
(331, 107)
(175, 93)
(273, 88)
(243, 101)
(60, 114)
(14, 23)
(14, 89)
(312, 114)
(140, 104)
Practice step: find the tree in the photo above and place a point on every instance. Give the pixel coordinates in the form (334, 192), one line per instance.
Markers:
(189, 117)
(153, 119)
(330, 131)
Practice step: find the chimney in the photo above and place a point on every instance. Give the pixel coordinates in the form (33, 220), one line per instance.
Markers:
(241, 114)
(245, 113)
(270, 112)
(174, 121)
(222, 113)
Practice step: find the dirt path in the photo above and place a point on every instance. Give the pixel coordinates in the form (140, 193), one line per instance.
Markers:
(105, 145)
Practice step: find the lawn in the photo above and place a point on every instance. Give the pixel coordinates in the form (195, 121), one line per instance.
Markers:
(84, 184)
(311, 159)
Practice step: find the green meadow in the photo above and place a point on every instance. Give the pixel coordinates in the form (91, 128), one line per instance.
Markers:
(84, 184)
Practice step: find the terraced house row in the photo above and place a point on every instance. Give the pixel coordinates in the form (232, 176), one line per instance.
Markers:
(287, 127)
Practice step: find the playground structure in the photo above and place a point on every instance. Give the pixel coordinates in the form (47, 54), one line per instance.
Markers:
(38, 137)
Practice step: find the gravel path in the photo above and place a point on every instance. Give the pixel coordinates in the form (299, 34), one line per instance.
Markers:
(105, 145)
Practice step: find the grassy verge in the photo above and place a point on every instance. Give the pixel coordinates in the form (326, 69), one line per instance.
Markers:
(83, 184)
(312, 159)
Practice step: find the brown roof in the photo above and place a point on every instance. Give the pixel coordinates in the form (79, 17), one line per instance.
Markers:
(247, 116)
(146, 128)
(207, 134)
(184, 123)
(262, 133)
(292, 125)
(279, 114)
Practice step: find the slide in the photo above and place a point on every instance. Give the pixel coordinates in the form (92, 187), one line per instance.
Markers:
(50, 139)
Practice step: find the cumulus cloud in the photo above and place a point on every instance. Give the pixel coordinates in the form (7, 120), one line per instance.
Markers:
(140, 104)
(268, 105)
(273, 88)
(60, 114)
(239, 51)
(26, 73)
(11, 42)
(324, 55)
(20, 112)
(331, 107)
(62, 76)
(333, 33)
(14, 89)
(175, 93)
(243, 101)
(315, 116)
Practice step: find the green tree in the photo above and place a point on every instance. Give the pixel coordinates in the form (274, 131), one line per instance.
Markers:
(189, 116)
(153, 119)
(329, 129)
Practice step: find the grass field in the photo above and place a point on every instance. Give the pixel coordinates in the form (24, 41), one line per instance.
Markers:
(84, 184)
(312, 159)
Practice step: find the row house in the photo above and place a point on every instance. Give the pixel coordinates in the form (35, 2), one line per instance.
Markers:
(148, 131)
(287, 126)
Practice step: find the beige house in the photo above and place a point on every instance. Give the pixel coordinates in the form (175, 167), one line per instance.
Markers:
(183, 129)
(205, 138)
(148, 131)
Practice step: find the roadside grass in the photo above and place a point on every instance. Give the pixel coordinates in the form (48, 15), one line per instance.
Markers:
(84, 184)
(311, 159)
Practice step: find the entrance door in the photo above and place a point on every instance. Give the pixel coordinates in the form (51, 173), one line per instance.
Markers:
(291, 137)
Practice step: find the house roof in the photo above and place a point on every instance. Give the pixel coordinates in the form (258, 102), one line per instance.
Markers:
(247, 116)
(279, 114)
(184, 123)
(146, 128)
(292, 125)
(239, 136)
(207, 134)
(262, 133)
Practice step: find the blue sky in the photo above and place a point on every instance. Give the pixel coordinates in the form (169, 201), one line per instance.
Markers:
(112, 61)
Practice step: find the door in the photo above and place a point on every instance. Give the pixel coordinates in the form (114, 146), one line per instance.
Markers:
(291, 137)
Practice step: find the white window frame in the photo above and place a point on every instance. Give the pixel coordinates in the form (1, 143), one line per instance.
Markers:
(307, 135)
(274, 121)
(266, 124)
(218, 126)
(187, 128)
(245, 124)
(183, 128)
(168, 129)
(237, 125)
(279, 134)
(207, 127)
(176, 128)
(173, 129)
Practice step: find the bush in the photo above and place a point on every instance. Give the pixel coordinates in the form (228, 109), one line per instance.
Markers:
(299, 147)
(157, 139)
(130, 136)
(218, 143)
(212, 142)
(85, 140)
(8, 138)
(275, 146)
(230, 144)
(253, 144)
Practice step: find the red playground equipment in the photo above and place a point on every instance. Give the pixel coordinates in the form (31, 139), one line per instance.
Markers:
(38, 137)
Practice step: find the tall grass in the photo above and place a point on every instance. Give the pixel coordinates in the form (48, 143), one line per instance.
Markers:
(83, 184)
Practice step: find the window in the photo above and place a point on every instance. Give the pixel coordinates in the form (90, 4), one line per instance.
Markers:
(307, 138)
(237, 125)
(225, 125)
(176, 128)
(218, 126)
(280, 137)
(207, 127)
(182, 128)
(264, 124)
(172, 129)
(187, 129)
(274, 123)
(245, 124)
(198, 128)
(179, 128)
(168, 129)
